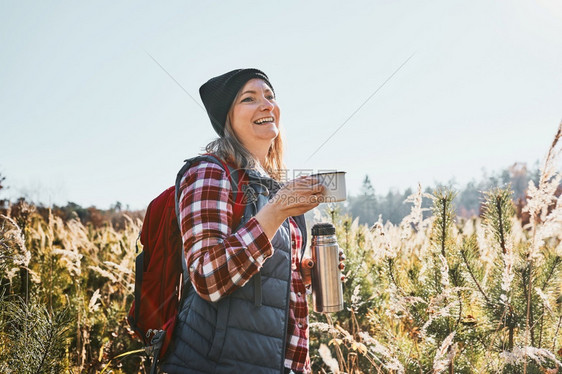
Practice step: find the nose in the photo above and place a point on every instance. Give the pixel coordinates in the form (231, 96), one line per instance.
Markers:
(266, 105)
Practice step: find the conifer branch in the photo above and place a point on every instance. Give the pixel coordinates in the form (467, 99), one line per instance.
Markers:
(35, 338)
(541, 326)
(465, 260)
(555, 338)
(498, 209)
(551, 272)
(528, 316)
(444, 214)
(500, 224)
(511, 329)
(460, 309)
(544, 285)
(46, 348)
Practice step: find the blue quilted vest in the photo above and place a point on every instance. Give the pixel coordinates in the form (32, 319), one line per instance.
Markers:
(244, 332)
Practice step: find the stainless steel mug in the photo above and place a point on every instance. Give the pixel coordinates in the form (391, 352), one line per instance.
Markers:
(327, 290)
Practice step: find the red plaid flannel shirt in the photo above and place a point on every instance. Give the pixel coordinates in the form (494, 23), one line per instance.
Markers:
(220, 261)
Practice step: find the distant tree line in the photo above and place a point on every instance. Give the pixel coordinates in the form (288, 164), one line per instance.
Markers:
(114, 216)
(3, 202)
(368, 205)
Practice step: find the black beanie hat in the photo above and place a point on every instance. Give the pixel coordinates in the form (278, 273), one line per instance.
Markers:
(219, 93)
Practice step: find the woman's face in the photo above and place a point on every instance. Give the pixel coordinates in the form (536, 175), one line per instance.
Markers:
(255, 115)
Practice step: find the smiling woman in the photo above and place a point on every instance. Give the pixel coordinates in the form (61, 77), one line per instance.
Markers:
(246, 310)
(254, 117)
(254, 102)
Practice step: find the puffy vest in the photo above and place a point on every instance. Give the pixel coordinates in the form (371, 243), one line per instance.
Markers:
(246, 331)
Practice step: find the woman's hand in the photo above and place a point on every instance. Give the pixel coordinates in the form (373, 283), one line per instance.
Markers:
(298, 196)
(293, 199)
(306, 270)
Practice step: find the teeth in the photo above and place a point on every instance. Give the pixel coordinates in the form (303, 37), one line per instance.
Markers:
(266, 119)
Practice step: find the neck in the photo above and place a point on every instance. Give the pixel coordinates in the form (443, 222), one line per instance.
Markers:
(260, 153)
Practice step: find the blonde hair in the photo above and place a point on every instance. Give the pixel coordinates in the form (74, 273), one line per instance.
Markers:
(231, 149)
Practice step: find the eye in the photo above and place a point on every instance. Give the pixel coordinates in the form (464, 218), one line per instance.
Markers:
(270, 97)
(247, 99)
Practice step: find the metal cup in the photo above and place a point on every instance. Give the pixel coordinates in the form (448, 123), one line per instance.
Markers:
(334, 183)
(327, 290)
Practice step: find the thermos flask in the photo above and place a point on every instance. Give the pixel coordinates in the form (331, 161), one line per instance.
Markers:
(327, 292)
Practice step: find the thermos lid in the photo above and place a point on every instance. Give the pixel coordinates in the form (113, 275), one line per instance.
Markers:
(323, 229)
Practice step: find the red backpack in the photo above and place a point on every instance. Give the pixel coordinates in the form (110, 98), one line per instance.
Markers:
(160, 269)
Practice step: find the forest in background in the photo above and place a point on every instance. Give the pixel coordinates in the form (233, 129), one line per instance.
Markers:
(392, 206)
(367, 205)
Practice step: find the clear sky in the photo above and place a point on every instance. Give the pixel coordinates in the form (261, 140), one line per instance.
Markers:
(87, 115)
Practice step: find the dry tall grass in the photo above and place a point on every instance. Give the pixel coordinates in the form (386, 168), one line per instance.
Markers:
(445, 295)
(429, 295)
(83, 271)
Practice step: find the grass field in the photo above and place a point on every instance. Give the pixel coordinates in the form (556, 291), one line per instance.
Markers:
(430, 295)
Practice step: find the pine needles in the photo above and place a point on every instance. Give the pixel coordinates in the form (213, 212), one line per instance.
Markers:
(33, 339)
(67, 288)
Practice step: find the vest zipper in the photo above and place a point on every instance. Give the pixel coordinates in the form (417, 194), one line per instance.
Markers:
(257, 277)
(288, 305)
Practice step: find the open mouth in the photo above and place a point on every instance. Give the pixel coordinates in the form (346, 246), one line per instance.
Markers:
(264, 120)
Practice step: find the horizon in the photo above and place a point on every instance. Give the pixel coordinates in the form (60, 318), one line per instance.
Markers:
(452, 183)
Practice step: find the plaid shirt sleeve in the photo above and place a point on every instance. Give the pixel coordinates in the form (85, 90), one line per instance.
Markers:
(219, 261)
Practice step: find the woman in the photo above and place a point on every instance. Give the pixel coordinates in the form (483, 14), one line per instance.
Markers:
(246, 311)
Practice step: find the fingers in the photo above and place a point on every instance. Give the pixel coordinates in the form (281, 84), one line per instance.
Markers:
(315, 199)
(306, 270)
(314, 190)
(309, 182)
(317, 187)
(342, 265)
(299, 195)
(307, 263)
(305, 191)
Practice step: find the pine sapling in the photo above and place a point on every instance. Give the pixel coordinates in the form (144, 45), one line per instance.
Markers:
(444, 213)
(498, 212)
(443, 241)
